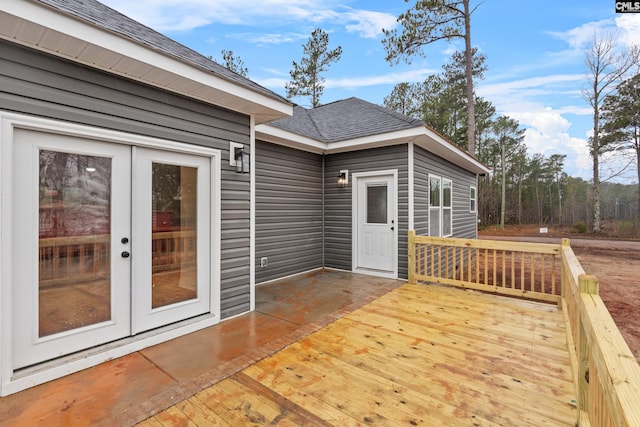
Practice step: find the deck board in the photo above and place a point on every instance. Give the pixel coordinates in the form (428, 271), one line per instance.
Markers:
(419, 355)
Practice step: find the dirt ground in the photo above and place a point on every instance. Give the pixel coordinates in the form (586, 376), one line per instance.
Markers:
(616, 263)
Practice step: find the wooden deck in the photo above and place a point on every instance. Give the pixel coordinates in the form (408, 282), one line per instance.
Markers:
(419, 355)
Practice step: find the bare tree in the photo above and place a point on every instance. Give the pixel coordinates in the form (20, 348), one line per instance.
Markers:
(607, 65)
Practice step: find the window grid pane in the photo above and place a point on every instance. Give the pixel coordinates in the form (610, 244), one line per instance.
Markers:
(434, 192)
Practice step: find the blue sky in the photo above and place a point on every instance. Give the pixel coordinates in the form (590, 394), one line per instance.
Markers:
(535, 53)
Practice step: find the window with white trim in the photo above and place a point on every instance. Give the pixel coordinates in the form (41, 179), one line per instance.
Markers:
(434, 205)
(440, 206)
(472, 199)
(447, 210)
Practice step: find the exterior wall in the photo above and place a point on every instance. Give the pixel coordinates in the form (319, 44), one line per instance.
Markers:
(425, 163)
(37, 84)
(288, 211)
(338, 217)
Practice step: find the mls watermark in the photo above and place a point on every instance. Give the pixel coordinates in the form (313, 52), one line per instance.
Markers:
(628, 7)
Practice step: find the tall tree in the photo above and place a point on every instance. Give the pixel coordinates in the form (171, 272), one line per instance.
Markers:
(556, 165)
(306, 79)
(403, 100)
(508, 137)
(234, 63)
(429, 21)
(607, 65)
(621, 125)
(440, 101)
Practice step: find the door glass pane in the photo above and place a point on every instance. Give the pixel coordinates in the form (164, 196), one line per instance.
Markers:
(74, 287)
(174, 234)
(376, 204)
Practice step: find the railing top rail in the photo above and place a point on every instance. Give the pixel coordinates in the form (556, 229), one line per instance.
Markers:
(543, 248)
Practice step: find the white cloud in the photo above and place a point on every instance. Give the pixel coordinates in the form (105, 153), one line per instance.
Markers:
(547, 129)
(580, 37)
(629, 24)
(184, 15)
(411, 76)
(262, 39)
(416, 75)
(369, 24)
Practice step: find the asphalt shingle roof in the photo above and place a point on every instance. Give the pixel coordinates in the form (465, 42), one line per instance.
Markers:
(346, 119)
(111, 20)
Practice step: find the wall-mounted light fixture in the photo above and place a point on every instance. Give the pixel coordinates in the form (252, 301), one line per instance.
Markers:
(243, 160)
(239, 158)
(343, 178)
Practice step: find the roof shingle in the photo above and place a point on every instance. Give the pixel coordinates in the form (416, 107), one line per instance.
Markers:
(345, 119)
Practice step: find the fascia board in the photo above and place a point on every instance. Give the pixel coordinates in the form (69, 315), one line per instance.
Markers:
(436, 144)
(174, 71)
(373, 141)
(285, 138)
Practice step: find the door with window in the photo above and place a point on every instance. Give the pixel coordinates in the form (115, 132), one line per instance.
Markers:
(375, 223)
(104, 250)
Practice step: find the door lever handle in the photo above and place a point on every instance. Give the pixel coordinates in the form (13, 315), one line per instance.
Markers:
(393, 228)
(125, 254)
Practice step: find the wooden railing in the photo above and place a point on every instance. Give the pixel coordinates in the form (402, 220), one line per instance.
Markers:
(78, 259)
(606, 374)
(75, 259)
(517, 269)
(172, 249)
(605, 371)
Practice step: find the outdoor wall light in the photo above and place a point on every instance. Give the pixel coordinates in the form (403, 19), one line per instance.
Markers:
(243, 160)
(343, 178)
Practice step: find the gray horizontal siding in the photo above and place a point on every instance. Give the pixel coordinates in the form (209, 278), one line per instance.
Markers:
(288, 211)
(338, 217)
(425, 163)
(38, 84)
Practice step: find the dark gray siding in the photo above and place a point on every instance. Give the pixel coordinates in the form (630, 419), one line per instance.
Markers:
(37, 84)
(425, 163)
(288, 211)
(338, 219)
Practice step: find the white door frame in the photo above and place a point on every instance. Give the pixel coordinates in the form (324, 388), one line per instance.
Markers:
(11, 381)
(356, 176)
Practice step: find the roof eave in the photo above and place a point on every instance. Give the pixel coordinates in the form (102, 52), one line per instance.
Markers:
(43, 28)
(435, 143)
(420, 135)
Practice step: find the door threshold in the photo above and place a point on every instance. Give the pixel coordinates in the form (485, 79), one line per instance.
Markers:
(377, 273)
(53, 369)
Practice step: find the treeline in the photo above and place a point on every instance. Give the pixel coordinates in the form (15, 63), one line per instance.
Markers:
(523, 188)
(546, 201)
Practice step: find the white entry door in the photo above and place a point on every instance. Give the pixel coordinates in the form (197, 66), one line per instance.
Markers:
(101, 250)
(375, 223)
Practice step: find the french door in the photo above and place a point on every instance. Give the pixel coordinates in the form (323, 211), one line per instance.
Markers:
(109, 241)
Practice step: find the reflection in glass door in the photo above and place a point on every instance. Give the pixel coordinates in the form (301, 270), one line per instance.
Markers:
(74, 277)
(71, 207)
(171, 235)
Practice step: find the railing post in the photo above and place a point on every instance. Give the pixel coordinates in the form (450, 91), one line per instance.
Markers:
(412, 256)
(587, 284)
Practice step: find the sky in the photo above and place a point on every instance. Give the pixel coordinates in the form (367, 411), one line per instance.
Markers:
(535, 53)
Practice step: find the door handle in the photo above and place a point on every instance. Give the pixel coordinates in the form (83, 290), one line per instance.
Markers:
(392, 228)
(125, 254)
